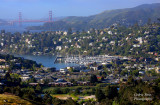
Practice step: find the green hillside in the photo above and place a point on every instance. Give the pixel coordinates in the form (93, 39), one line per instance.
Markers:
(127, 17)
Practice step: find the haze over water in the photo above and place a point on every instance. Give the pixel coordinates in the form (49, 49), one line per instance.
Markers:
(21, 29)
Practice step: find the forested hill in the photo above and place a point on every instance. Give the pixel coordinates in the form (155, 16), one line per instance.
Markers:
(140, 14)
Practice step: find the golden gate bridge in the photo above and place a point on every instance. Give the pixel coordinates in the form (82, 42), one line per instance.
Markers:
(20, 20)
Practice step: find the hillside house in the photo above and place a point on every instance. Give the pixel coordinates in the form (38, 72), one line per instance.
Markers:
(59, 48)
(63, 70)
(157, 69)
(25, 77)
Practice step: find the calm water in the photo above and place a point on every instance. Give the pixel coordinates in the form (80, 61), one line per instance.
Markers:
(46, 60)
(21, 29)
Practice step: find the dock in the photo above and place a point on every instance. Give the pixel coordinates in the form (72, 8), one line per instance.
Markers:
(59, 60)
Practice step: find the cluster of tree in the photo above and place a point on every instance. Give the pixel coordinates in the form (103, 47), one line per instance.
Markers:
(18, 62)
(130, 93)
(134, 92)
(71, 90)
(33, 94)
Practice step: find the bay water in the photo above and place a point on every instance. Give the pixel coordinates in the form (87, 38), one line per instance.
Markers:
(46, 60)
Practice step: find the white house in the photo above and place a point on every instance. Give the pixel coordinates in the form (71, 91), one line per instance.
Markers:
(140, 40)
(78, 46)
(63, 70)
(2, 44)
(157, 69)
(66, 47)
(136, 45)
(112, 42)
(59, 48)
(142, 72)
(65, 33)
(25, 77)
(90, 44)
(110, 32)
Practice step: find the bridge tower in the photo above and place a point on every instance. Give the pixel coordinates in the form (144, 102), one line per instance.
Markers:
(50, 16)
(20, 19)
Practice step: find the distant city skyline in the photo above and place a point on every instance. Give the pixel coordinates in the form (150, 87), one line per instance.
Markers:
(38, 9)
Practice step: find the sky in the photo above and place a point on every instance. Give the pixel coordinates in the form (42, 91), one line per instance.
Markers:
(38, 9)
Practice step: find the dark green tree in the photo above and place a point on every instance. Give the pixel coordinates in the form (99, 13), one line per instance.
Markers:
(99, 95)
(93, 79)
(2, 31)
(69, 31)
(38, 88)
(111, 92)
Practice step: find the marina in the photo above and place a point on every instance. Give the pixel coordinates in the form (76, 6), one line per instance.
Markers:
(85, 60)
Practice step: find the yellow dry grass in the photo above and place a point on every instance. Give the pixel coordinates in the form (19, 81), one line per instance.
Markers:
(6, 99)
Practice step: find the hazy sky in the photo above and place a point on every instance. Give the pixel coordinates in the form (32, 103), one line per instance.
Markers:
(37, 9)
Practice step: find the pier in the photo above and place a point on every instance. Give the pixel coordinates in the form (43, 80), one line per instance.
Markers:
(59, 60)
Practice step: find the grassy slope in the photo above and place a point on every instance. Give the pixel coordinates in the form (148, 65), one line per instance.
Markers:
(12, 100)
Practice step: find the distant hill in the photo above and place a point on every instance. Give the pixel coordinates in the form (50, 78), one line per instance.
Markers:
(54, 18)
(127, 17)
(3, 22)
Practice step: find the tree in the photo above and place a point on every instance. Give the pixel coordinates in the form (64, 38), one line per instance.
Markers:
(99, 95)
(127, 93)
(8, 79)
(52, 69)
(71, 69)
(65, 90)
(38, 88)
(70, 101)
(130, 80)
(158, 19)
(57, 101)
(149, 21)
(32, 80)
(111, 92)
(107, 102)
(94, 64)
(93, 79)
(77, 91)
(7, 76)
(69, 31)
(92, 30)
(135, 72)
(33, 67)
(2, 31)
(124, 72)
(47, 99)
